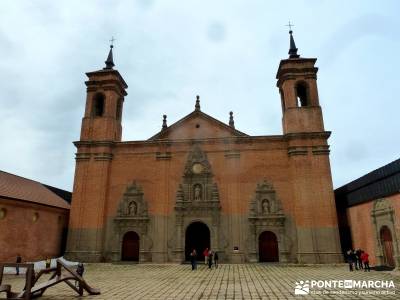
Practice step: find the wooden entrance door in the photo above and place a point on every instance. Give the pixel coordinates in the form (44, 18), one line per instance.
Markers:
(268, 247)
(387, 246)
(130, 246)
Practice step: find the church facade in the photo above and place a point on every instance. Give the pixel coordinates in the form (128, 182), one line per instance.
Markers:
(200, 183)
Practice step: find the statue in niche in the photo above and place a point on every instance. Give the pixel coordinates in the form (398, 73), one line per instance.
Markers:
(266, 207)
(197, 192)
(132, 209)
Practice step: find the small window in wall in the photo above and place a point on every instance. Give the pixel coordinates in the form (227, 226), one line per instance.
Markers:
(301, 95)
(3, 213)
(35, 217)
(98, 105)
(119, 109)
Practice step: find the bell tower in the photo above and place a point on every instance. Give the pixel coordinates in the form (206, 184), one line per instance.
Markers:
(101, 128)
(297, 83)
(106, 90)
(313, 204)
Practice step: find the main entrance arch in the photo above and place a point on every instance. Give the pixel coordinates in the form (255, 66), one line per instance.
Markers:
(268, 247)
(130, 246)
(197, 237)
(387, 246)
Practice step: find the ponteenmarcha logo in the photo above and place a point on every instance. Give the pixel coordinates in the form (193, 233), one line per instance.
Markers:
(347, 286)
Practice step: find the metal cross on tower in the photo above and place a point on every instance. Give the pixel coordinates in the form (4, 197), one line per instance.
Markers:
(112, 41)
(290, 26)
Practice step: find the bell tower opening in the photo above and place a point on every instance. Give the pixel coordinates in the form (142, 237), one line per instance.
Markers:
(301, 95)
(98, 105)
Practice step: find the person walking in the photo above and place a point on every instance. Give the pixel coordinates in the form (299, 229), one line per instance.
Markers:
(205, 253)
(365, 260)
(210, 258)
(354, 258)
(193, 259)
(216, 259)
(349, 258)
(359, 261)
(18, 261)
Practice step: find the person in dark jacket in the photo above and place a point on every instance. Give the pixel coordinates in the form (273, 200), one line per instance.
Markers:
(354, 258)
(193, 259)
(359, 261)
(18, 261)
(216, 259)
(210, 259)
(349, 259)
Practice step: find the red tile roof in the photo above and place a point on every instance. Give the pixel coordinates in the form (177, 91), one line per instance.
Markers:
(16, 187)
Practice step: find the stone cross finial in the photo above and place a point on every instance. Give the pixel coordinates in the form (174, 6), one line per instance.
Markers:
(164, 123)
(197, 106)
(231, 121)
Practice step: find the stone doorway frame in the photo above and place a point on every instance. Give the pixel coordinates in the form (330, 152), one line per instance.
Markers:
(132, 218)
(383, 214)
(264, 217)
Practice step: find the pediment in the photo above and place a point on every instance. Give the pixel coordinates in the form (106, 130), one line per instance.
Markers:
(197, 125)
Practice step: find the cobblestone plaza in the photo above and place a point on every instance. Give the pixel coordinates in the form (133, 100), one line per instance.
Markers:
(229, 281)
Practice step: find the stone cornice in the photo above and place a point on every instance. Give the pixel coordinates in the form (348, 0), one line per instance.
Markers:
(103, 156)
(94, 143)
(297, 150)
(232, 154)
(320, 150)
(308, 135)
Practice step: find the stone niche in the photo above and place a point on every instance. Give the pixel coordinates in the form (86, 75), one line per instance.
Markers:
(132, 215)
(266, 214)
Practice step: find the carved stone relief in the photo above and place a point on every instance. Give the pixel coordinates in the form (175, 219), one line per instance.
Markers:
(197, 199)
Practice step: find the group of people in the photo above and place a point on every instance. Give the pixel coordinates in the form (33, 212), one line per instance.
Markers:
(210, 258)
(358, 259)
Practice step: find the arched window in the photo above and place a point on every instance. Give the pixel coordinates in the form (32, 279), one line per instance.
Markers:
(302, 95)
(119, 109)
(98, 105)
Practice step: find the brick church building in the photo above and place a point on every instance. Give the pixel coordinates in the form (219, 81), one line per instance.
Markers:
(202, 183)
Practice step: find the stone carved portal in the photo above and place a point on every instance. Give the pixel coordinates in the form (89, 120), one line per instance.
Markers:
(386, 237)
(197, 200)
(267, 228)
(132, 218)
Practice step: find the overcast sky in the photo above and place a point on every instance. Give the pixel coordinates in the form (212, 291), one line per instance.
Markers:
(168, 51)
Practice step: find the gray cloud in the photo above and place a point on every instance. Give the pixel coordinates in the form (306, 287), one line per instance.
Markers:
(169, 51)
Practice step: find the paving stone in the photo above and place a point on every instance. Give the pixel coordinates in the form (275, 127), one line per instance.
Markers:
(244, 281)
